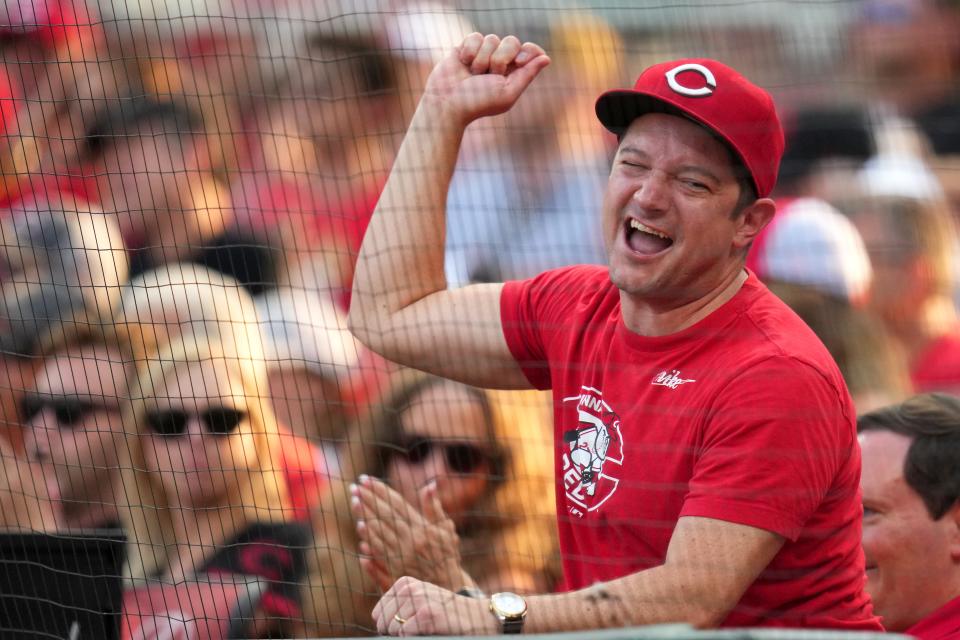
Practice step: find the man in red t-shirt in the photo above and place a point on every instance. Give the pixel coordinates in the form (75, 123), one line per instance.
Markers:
(911, 514)
(706, 456)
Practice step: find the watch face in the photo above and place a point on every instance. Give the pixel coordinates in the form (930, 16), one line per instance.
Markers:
(509, 605)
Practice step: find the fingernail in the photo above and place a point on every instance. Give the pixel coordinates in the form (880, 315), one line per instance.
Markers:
(364, 479)
(354, 489)
(361, 525)
(522, 57)
(355, 501)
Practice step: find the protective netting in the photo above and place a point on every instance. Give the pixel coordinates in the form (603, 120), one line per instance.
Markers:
(185, 191)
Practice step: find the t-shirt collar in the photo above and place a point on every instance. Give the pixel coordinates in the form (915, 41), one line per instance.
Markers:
(703, 329)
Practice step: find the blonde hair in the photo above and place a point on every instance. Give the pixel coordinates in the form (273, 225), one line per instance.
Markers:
(260, 493)
(178, 298)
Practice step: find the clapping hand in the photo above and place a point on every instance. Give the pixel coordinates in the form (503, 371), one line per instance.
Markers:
(398, 539)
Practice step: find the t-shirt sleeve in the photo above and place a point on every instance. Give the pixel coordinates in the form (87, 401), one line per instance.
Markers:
(532, 313)
(772, 448)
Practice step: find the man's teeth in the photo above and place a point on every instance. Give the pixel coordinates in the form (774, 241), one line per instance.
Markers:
(639, 226)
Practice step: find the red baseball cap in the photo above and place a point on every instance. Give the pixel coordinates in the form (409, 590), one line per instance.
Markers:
(714, 95)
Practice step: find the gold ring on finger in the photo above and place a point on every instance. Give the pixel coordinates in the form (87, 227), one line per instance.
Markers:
(397, 617)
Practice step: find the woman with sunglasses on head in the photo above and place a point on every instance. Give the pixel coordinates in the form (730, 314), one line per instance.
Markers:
(454, 488)
(213, 539)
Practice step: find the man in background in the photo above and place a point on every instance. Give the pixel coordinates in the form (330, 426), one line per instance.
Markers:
(911, 514)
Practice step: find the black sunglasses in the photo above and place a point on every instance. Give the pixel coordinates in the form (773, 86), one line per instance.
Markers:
(460, 457)
(217, 421)
(68, 411)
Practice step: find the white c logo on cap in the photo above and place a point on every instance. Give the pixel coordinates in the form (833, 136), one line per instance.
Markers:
(687, 91)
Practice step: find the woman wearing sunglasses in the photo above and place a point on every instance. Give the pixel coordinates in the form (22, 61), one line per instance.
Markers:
(454, 487)
(178, 298)
(212, 532)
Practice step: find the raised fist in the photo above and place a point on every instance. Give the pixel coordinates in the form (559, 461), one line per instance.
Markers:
(484, 76)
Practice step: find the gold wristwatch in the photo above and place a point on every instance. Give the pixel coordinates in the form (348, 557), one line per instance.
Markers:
(510, 609)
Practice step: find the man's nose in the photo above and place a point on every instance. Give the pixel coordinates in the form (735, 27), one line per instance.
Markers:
(653, 193)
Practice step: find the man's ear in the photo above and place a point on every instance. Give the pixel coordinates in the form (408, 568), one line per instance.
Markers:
(953, 515)
(752, 221)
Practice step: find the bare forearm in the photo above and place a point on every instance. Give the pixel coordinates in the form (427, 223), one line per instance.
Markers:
(655, 596)
(401, 307)
(401, 260)
(710, 564)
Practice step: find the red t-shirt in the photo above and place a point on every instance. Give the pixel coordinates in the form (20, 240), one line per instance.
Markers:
(743, 417)
(938, 366)
(942, 624)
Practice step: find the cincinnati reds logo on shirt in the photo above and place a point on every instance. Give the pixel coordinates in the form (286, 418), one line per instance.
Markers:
(710, 81)
(593, 453)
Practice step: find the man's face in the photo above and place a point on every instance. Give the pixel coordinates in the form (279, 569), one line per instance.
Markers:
(667, 211)
(133, 176)
(910, 572)
(75, 427)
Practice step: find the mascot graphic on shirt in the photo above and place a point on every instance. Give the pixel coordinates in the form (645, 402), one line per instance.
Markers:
(592, 454)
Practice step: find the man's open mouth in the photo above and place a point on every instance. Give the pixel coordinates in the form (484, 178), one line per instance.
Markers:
(645, 240)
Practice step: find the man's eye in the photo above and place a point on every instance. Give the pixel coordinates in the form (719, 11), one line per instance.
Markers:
(696, 186)
(868, 512)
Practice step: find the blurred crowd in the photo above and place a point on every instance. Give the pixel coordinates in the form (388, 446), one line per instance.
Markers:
(184, 193)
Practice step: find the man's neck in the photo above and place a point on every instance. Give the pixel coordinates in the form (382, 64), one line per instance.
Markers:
(945, 593)
(658, 318)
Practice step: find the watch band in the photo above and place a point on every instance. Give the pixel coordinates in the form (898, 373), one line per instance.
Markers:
(512, 625)
(471, 592)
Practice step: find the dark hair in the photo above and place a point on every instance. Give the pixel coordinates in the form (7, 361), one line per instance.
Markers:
(820, 133)
(932, 422)
(130, 114)
(748, 190)
(371, 63)
(940, 128)
(392, 442)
